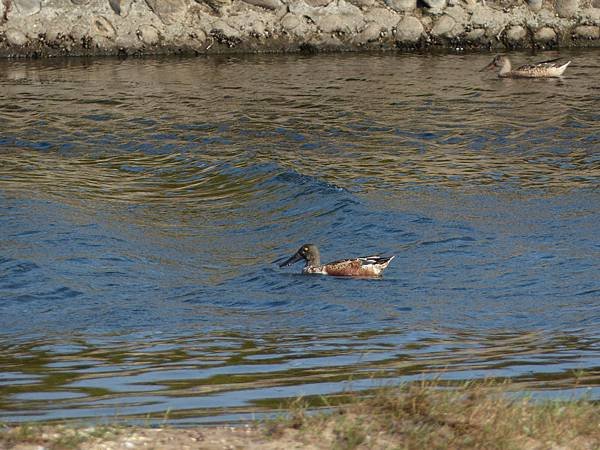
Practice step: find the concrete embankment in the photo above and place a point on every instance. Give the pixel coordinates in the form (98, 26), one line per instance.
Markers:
(38, 28)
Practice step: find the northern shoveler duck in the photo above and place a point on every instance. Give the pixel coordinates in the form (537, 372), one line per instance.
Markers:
(543, 69)
(364, 266)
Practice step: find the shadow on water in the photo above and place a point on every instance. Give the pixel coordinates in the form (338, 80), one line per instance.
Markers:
(143, 201)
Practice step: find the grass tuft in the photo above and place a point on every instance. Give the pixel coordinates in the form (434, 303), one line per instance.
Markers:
(421, 415)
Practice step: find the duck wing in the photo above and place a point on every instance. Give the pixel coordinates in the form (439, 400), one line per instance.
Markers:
(375, 259)
(364, 266)
(548, 64)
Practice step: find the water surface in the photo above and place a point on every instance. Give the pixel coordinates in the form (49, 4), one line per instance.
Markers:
(143, 204)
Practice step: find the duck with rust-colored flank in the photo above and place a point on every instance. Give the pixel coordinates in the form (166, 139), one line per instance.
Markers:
(543, 69)
(364, 266)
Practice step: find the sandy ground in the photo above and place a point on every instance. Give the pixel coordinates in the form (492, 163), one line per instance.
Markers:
(212, 438)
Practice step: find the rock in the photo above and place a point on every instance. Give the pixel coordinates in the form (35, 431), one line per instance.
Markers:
(16, 37)
(535, 5)
(363, 3)
(290, 22)
(103, 27)
(372, 32)
(516, 34)
(590, 16)
(566, 8)
(331, 23)
(492, 20)
(25, 7)
(129, 42)
(148, 34)
(443, 27)
(169, 11)
(427, 21)
(402, 5)
(224, 33)
(196, 39)
(343, 17)
(544, 35)
(338, 21)
(317, 3)
(475, 35)
(296, 26)
(461, 16)
(409, 30)
(120, 7)
(80, 2)
(215, 5)
(435, 4)
(336, 17)
(587, 32)
(382, 16)
(267, 4)
(255, 29)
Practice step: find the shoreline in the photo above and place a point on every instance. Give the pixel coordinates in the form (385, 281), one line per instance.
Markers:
(420, 415)
(52, 28)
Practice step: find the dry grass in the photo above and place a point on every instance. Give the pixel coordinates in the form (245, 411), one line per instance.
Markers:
(475, 416)
(419, 416)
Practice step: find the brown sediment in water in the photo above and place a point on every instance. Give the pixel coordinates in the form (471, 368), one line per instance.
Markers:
(420, 416)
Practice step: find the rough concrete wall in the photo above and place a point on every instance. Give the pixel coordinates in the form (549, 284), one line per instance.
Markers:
(96, 27)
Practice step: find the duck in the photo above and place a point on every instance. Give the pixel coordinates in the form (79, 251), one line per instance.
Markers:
(543, 69)
(363, 266)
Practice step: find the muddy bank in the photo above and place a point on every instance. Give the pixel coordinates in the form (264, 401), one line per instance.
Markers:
(40, 28)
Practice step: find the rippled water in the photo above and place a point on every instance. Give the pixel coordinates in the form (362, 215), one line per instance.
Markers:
(143, 203)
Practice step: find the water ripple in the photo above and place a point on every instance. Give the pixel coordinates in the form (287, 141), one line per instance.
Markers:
(144, 205)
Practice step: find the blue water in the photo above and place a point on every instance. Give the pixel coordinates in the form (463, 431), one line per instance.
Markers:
(144, 205)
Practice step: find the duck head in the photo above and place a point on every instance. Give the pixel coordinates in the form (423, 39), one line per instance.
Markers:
(499, 61)
(308, 252)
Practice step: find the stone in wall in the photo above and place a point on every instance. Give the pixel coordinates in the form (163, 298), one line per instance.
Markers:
(317, 3)
(25, 7)
(16, 37)
(590, 16)
(516, 34)
(103, 27)
(535, 5)
(587, 32)
(566, 8)
(169, 11)
(492, 20)
(387, 18)
(409, 30)
(148, 34)
(87, 27)
(371, 33)
(435, 5)
(267, 4)
(402, 5)
(364, 3)
(545, 35)
(445, 27)
(120, 7)
(476, 36)
(341, 17)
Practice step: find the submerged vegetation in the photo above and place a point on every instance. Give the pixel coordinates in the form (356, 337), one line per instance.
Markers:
(417, 416)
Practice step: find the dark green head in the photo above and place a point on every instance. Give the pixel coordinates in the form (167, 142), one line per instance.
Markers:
(308, 252)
